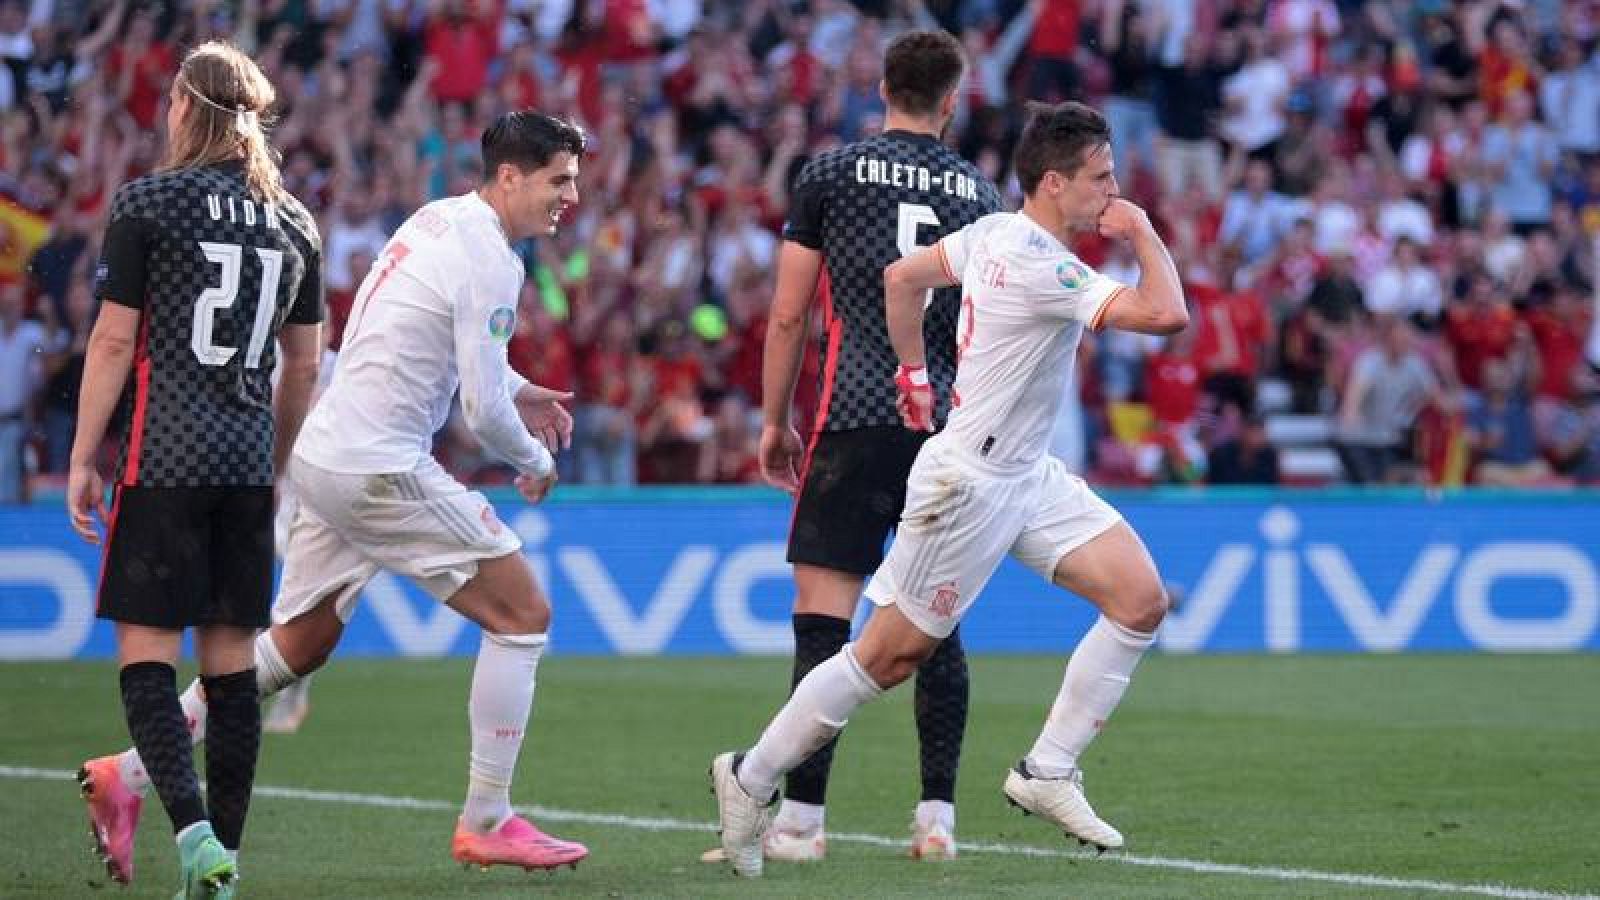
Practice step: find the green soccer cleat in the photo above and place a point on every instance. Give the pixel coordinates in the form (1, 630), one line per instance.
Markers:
(209, 872)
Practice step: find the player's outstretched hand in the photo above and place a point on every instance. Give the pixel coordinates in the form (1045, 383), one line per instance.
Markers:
(85, 494)
(1122, 220)
(781, 456)
(914, 398)
(535, 489)
(544, 416)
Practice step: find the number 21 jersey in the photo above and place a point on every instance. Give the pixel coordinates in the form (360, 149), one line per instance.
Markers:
(214, 273)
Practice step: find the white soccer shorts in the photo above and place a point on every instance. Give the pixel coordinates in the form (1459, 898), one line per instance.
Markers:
(960, 522)
(422, 524)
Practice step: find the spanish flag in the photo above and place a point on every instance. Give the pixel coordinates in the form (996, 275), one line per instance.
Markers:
(21, 231)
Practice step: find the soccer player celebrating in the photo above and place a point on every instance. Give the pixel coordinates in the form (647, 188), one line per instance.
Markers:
(207, 265)
(985, 487)
(434, 313)
(854, 211)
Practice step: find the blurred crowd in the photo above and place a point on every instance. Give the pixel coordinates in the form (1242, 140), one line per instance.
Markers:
(1385, 212)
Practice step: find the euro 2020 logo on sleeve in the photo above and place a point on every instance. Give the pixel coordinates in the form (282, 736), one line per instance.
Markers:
(1072, 275)
(502, 322)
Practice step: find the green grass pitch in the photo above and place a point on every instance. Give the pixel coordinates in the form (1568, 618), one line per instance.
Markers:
(1396, 775)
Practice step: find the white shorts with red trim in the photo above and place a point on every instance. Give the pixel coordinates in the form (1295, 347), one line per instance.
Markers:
(960, 522)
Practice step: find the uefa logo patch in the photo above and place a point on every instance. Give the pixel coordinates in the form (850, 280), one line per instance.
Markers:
(1072, 275)
(502, 322)
(945, 598)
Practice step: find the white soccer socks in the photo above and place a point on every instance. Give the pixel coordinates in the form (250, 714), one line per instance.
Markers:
(1097, 675)
(498, 708)
(272, 676)
(818, 709)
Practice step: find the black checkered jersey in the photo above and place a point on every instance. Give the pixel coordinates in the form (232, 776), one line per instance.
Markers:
(863, 206)
(214, 273)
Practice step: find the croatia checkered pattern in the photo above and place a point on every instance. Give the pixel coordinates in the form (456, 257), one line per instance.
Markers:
(860, 206)
(195, 254)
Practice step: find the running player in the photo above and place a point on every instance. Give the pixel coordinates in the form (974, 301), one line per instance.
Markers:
(434, 313)
(985, 486)
(854, 211)
(207, 265)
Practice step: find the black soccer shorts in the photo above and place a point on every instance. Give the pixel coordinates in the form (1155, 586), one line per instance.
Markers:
(851, 496)
(180, 557)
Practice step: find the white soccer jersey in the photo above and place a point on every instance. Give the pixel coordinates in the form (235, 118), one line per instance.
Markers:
(433, 313)
(1025, 299)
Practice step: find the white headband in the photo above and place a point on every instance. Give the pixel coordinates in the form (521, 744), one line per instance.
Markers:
(244, 120)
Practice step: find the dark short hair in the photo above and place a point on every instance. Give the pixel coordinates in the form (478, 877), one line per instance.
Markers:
(1060, 137)
(920, 69)
(529, 140)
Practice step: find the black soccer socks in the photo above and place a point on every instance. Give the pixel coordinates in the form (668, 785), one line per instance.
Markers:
(233, 740)
(942, 689)
(155, 721)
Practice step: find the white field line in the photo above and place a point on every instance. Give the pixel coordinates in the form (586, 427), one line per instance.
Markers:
(545, 813)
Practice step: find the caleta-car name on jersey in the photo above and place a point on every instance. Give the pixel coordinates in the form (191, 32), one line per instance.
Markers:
(919, 178)
(238, 210)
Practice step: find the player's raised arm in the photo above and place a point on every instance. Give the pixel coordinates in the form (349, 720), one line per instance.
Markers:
(1156, 306)
(905, 285)
(484, 322)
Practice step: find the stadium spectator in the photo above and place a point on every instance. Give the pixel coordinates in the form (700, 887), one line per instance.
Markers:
(1569, 433)
(1126, 31)
(1255, 98)
(22, 346)
(614, 388)
(1188, 97)
(1480, 328)
(1521, 154)
(1256, 218)
(1501, 431)
(1232, 333)
(1389, 384)
(1247, 458)
(1406, 288)
(63, 363)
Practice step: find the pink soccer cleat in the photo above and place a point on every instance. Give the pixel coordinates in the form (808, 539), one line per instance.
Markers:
(113, 815)
(516, 843)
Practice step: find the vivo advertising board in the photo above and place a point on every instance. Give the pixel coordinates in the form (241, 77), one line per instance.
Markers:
(703, 573)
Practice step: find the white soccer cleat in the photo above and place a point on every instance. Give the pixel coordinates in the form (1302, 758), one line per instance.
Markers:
(743, 820)
(1061, 800)
(809, 845)
(932, 842)
(785, 846)
(289, 708)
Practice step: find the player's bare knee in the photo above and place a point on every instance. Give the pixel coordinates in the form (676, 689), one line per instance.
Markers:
(893, 666)
(524, 615)
(1143, 608)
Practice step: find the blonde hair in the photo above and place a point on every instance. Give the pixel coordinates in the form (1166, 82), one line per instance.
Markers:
(228, 97)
